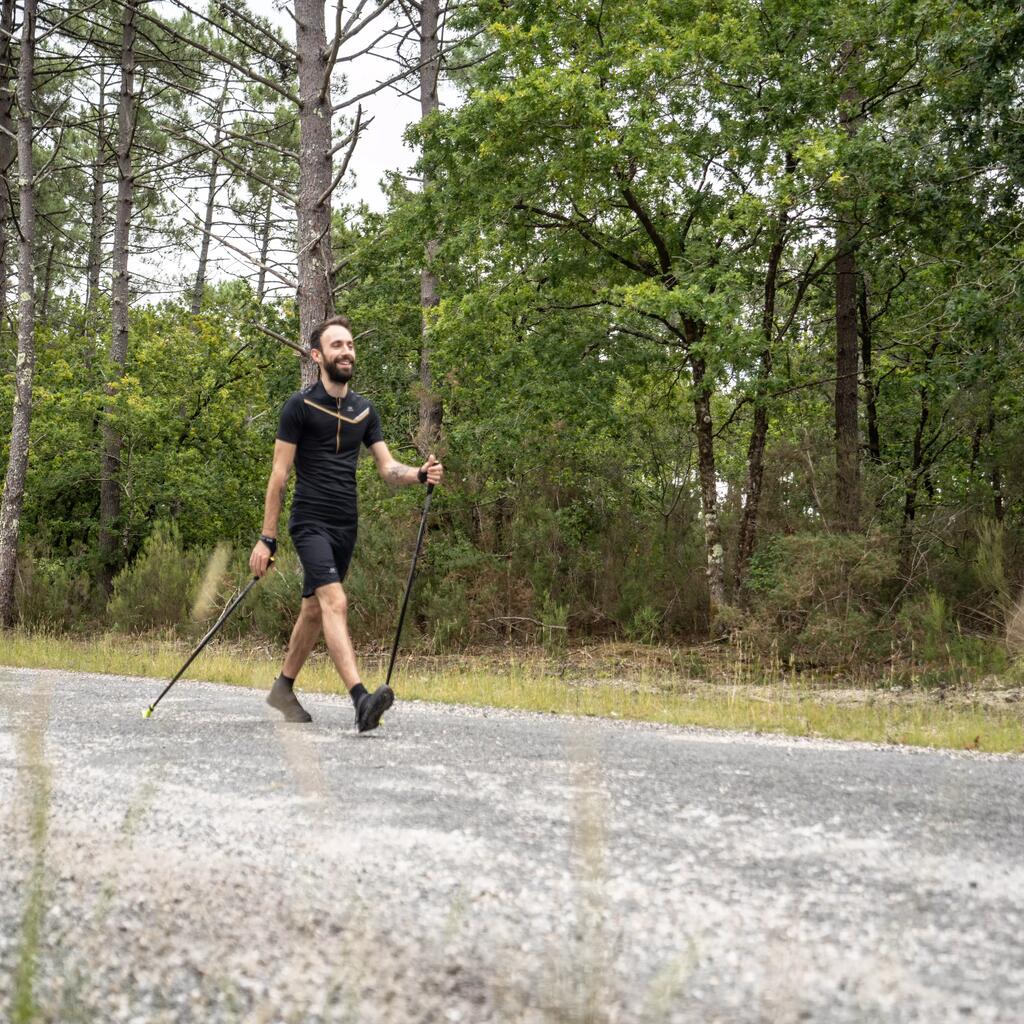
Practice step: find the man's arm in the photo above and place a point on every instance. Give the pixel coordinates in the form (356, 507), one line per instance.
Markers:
(398, 474)
(284, 456)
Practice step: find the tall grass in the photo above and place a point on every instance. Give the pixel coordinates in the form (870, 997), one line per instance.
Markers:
(659, 692)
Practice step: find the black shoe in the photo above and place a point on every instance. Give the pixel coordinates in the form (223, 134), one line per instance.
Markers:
(282, 698)
(372, 706)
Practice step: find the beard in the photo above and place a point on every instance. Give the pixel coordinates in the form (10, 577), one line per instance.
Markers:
(338, 373)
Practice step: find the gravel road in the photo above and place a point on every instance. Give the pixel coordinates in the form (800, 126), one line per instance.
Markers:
(211, 864)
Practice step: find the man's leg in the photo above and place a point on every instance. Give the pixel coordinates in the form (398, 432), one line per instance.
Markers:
(334, 615)
(304, 636)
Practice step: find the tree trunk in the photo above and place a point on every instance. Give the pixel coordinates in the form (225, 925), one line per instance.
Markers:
(921, 459)
(17, 465)
(847, 354)
(866, 355)
(44, 305)
(975, 450)
(8, 145)
(759, 432)
(314, 200)
(996, 476)
(755, 477)
(99, 176)
(110, 485)
(998, 505)
(261, 286)
(431, 410)
(847, 368)
(708, 487)
(211, 203)
(912, 484)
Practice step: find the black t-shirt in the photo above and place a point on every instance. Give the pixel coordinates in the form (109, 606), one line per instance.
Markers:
(328, 432)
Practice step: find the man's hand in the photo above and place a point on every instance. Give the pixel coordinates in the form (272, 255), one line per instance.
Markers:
(433, 469)
(259, 560)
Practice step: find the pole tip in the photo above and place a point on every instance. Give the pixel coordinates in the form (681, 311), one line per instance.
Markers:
(147, 712)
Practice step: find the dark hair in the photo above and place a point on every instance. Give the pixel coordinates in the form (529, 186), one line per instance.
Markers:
(331, 321)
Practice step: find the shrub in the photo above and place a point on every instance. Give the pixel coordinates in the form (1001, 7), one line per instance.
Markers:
(154, 591)
(52, 594)
(645, 625)
(990, 564)
(555, 628)
(449, 634)
(454, 596)
(271, 607)
(927, 632)
(822, 597)
(276, 600)
(379, 571)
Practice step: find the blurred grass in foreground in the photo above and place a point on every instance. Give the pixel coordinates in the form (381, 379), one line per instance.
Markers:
(606, 686)
(35, 806)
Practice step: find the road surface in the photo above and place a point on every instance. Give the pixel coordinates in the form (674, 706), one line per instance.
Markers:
(214, 864)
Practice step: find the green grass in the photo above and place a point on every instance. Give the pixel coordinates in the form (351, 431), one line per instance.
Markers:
(649, 690)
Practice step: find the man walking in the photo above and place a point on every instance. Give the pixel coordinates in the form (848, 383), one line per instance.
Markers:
(321, 430)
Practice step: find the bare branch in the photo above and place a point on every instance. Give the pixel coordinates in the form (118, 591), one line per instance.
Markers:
(561, 220)
(469, 63)
(378, 87)
(343, 263)
(409, 70)
(40, 175)
(352, 29)
(57, 26)
(248, 257)
(345, 284)
(356, 130)
(281, 338)
(275, 187)
(664, 258)
(332, 56)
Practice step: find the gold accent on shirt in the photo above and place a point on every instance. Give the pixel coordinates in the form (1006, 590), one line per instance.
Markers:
(331, 412)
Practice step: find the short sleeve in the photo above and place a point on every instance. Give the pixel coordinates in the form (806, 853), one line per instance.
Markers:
(292, 417)
(373, 432)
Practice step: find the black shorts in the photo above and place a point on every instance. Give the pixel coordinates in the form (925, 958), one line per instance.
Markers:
(324, 551)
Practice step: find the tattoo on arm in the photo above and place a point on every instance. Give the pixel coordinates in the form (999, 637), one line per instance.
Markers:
(399, 474)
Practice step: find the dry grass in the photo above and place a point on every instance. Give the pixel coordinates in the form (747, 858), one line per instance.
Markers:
(716, 688)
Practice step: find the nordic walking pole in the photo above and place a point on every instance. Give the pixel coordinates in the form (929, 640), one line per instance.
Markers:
(408, 586)
(232, 605)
